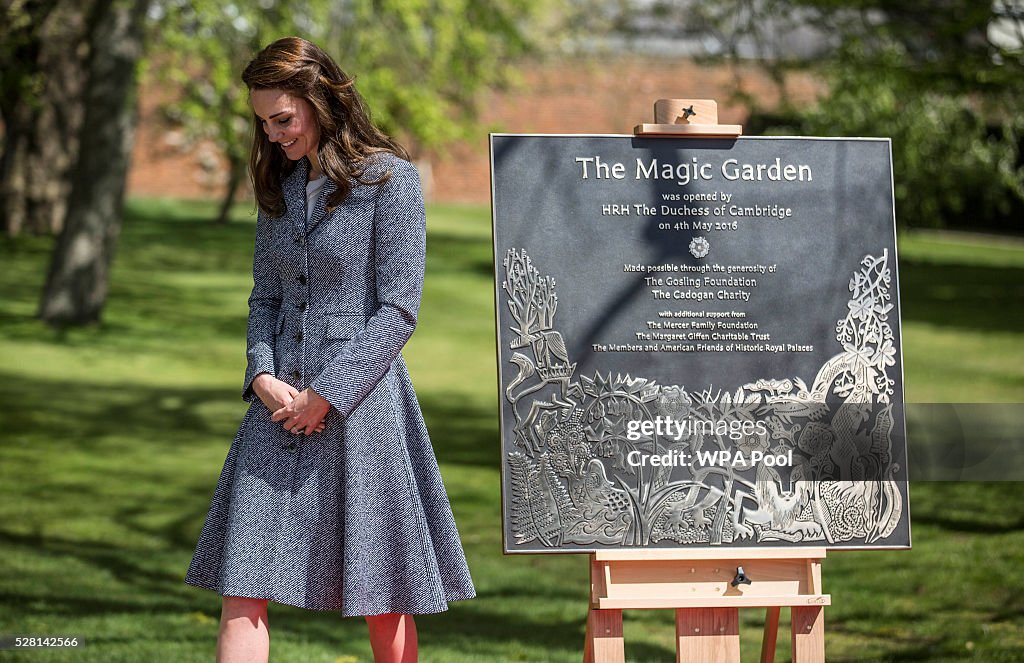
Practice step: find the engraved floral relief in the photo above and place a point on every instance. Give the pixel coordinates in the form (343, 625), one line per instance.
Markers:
(570, 481)
(699, 247)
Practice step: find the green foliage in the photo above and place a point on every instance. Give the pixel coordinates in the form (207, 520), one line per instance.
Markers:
(420, 64)
(949, 47)
(198, 50)
(949, 167)
(943, 78)
(20, 79)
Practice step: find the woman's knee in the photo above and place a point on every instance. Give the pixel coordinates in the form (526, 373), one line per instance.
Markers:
(237, 606)
(391, 621)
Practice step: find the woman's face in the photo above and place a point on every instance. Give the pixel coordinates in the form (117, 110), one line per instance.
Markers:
(288, 121)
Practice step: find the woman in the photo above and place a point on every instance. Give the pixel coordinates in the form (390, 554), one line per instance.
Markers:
(330, 497)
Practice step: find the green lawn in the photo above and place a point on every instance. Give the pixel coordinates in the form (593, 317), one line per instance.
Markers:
(113, 437)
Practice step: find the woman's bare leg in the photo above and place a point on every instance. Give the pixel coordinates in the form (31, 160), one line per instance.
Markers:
(393, 638)
(244, 632)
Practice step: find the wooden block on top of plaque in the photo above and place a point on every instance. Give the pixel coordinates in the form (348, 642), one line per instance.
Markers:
(687, 117)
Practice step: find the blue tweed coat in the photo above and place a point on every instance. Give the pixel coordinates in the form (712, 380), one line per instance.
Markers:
(354, 518)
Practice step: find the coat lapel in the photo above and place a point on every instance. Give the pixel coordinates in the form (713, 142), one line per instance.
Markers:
(294, 189)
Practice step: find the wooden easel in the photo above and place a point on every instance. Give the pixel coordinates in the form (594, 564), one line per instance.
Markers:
(706, 587)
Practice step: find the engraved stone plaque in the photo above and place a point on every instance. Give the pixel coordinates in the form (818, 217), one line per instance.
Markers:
(698, 343)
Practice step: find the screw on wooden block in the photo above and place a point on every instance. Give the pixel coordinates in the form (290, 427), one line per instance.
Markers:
(696, 629)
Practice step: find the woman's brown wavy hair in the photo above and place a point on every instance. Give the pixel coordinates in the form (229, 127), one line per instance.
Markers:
(347, 136)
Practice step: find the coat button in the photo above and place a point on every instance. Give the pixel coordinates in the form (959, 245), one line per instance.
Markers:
(296, 375)
(292, 446)
(301, 306)
(302, 279)
(298, 337)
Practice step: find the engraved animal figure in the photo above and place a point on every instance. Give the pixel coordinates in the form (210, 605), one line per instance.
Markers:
(681, 514)
(552, 361)
(526, 370)
(545, 345)
(854, 494)
(852, 498)
(604, 509)
(775, 509)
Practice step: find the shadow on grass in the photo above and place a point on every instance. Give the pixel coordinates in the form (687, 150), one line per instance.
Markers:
(477, 622)
(160, 589)
(461, 432)
(85, 413)
(165, 419)
(969, 507)
(972, 525)
(972, 297)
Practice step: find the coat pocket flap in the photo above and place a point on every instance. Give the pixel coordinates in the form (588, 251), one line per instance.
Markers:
(343, 327)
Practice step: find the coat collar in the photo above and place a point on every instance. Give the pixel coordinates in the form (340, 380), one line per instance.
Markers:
(294, 190)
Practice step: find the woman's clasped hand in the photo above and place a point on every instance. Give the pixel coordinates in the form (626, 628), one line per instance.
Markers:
(298, 411)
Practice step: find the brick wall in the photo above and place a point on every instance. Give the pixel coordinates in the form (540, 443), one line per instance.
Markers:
(570, 96)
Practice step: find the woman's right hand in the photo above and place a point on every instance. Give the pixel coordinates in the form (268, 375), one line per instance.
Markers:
(275, 393)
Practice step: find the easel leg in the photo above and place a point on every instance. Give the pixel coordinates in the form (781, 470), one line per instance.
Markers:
(809, 634)
(771, 634)
(604, 637)
(707, 635)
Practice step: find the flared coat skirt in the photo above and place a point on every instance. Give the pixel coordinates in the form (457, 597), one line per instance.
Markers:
(358, 523)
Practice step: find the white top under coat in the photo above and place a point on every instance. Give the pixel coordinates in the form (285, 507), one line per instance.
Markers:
(313, 194)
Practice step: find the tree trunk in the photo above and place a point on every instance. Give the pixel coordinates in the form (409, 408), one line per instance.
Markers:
(43, 69)
(77, 283)
(236, 173)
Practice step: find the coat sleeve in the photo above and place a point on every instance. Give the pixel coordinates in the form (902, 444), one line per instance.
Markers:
(399, 245)
(264, 306)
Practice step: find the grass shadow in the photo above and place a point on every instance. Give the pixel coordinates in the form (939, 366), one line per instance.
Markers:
(971, 297)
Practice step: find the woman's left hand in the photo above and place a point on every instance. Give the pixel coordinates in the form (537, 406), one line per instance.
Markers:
(304, 413)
